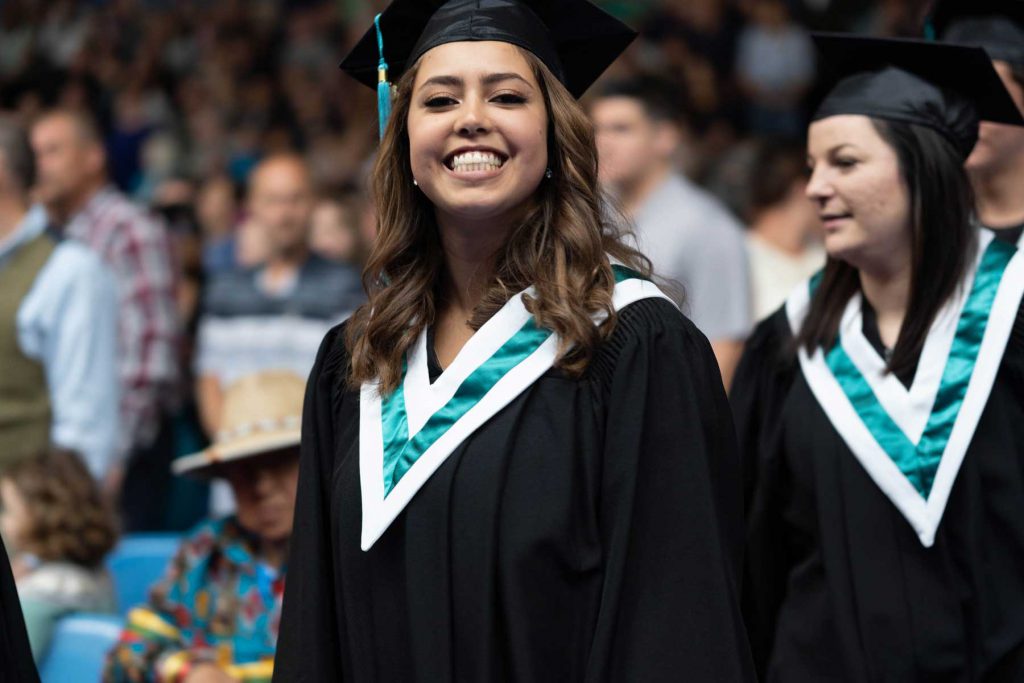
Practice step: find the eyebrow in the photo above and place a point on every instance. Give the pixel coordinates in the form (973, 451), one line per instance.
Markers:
(489, 79)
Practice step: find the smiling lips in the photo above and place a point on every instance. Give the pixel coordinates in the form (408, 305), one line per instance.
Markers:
(472, 161)
(830, 219)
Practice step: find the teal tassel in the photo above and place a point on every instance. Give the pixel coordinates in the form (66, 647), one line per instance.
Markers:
(929, 30)
(383, 86)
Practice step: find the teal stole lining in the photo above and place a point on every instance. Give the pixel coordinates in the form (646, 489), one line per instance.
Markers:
(920, 462)
(401, 452)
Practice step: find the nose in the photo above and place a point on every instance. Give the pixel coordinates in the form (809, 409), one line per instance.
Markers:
(472, 119)
(819, 188)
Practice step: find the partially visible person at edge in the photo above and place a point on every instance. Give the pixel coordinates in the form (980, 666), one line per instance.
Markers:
(881, 410)
(58, 329)
(518, 461)
(60, 528)
(214, 616)
(82, 205)
(996, 166)
(16, 663)
(690, 237)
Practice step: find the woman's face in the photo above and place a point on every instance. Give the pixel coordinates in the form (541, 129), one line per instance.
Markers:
(477, 130)
(859, 193)
(264, 488)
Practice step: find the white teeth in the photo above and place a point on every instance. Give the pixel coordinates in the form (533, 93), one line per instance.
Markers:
(476, 161)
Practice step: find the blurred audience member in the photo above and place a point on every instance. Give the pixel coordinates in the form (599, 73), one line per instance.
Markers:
(217, 212)
(996, 165)
(251, 244)
(783, 243)
(215, 615)
(72, 184)
(775, 68)
(272, 316)
(334, 232)
(58, 329)
(59, 528)
(689, 235)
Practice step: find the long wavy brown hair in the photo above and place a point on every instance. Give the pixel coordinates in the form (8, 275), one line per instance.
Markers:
(561, 247)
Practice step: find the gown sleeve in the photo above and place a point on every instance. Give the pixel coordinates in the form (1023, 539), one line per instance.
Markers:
(670, 508)
(308, 641)
(764, 377)
(16, 663)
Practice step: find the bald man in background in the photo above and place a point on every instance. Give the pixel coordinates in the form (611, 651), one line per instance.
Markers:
(274, 315)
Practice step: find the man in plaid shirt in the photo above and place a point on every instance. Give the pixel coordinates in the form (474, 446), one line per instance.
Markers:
(73, 186)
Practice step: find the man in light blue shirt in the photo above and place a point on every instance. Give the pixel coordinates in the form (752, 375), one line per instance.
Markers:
(58, 329)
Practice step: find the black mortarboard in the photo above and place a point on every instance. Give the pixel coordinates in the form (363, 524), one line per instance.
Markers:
(996, 25)
(575, 39)
(948, 88)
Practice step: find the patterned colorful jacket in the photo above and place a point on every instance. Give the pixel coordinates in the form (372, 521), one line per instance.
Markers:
(215, 604)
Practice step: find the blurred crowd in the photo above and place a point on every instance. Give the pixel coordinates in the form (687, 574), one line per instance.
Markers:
(208, 162)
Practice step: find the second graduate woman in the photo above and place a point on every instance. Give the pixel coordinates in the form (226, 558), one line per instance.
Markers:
(518, 463)
(881, 410)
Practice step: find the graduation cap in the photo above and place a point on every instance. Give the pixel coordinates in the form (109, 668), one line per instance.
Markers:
(948, 88)
(996, 25)
(575, 39)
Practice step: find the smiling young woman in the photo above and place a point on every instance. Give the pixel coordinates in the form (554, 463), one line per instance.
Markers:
(518, 463)
(880, 411)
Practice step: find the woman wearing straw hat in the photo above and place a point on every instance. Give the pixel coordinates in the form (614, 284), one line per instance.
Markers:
(214, 616)
(518, 461)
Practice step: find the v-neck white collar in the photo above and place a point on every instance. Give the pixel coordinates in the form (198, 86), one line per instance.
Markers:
(422, 400)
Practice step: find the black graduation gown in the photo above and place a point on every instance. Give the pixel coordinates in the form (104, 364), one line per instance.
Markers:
(16, 663)
(837, 585)
(590, 531)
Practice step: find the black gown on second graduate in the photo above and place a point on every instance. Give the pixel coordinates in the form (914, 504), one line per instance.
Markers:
(16, 663)
(838, 583)
(588, 531)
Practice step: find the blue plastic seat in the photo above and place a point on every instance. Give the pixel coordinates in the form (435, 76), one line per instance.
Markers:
(136, 563)
(80, 644)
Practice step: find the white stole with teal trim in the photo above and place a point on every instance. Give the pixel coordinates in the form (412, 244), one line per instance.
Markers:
(912, 441)
(406, 436)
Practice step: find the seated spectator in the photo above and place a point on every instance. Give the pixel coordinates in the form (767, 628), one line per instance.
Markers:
(60, 528)
(272, 316)
(214, 616)
(784, 241)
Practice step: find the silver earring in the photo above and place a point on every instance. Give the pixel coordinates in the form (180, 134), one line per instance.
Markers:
(548, 174)
(415, 183)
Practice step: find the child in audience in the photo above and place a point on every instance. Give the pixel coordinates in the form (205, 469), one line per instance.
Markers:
(58, 528)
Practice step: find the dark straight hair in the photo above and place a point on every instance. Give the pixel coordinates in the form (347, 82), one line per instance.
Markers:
(943, 243)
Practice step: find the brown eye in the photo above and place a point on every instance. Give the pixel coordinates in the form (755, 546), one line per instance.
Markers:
(509, 98)
(439, 102)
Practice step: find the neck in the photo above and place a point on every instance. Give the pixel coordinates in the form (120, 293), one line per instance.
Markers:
(780, 228)
(12, 211)
(274, 553)
(634, 193)
(887, 289)
(64, 210)
(470, 248)
(284, 263)
(999, 196)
